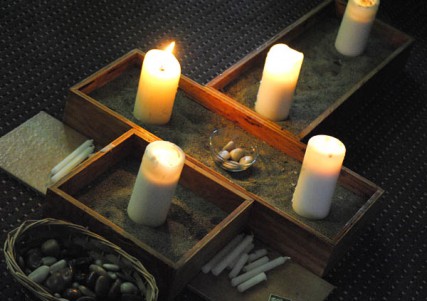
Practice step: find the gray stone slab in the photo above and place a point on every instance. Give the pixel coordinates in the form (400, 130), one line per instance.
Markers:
(31, 150)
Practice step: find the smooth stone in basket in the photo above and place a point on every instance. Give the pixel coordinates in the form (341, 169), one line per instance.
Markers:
(58, 266)
(33, 259)
(112, 275)
(86, 298)
(111, 267)
(51, 248)
(129, 297)
(21, 262)
(114, 291)
(49, 260)
(55, 283)
(86, 291)
(80, 276)
(128, 288)
(81, 262)
(102, 286)
(97, 269)
(59, 280)
(40, 274)
(91, 279)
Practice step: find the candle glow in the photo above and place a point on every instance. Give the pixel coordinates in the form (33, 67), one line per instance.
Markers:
(156, 182)
(279, 80)
(158, 86)
(319, 173)
(356, 26)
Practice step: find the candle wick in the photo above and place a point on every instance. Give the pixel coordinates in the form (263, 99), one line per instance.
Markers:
(162, 68)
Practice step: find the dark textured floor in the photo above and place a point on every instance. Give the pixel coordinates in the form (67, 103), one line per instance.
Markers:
(47, 46)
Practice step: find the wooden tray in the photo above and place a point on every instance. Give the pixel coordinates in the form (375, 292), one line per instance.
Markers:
(100, 107)
(205, 214)
(327, 79)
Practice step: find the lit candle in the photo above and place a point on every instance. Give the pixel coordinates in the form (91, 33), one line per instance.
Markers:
(319, 173)
(279, 79)
(155, 184)
(157, 87)
(355, 26)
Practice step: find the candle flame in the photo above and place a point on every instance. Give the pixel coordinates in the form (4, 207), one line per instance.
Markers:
(170, 47)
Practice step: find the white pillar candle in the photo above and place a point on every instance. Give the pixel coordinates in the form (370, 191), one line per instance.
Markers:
(157, 87)
(251, 282)
(255, 264)
(238, 266)
(318, 177)
(232, 255)
(156, 182)
(264, 268)
(76, 160)
(355, 26)
(279, 79)
(221, 254)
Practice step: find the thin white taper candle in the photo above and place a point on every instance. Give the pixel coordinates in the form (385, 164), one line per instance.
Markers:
(221, 254)
(257, 254)
(73, 163)
(251, 282)
(264, 268)
(232, 255)
(255, 264)
(246, 250)
(238, 266)
(71, 156)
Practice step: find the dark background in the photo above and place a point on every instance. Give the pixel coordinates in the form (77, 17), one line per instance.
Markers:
(48, 46)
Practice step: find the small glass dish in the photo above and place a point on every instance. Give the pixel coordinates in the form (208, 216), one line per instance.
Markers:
(227, 143)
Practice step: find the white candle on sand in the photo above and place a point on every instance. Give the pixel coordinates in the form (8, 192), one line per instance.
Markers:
(156, 182)
(157, 87)
(356, 26)
(319, 173)
(279, 80)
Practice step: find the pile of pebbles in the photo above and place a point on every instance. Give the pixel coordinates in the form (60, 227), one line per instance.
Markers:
(230, 152)
(70, 272)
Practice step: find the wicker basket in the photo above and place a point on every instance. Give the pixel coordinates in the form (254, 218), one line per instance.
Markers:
(32, 233)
